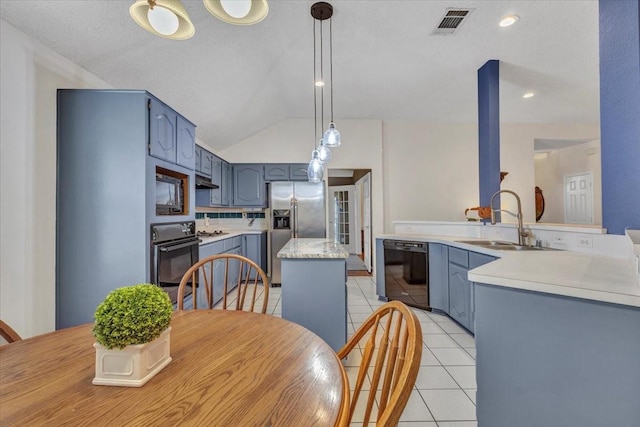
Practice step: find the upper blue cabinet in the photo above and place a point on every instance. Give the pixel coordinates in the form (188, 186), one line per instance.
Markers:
(186, 143)
(171, 136)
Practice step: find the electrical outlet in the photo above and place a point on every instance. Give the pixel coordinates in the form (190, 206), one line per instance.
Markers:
(559, 241)
(585, 242)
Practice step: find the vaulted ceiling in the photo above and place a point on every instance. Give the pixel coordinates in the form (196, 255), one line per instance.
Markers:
(234, 81)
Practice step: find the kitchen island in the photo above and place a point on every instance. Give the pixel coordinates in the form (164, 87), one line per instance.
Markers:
(314, 287)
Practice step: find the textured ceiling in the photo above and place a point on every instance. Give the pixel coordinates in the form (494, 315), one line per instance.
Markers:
(234, 81)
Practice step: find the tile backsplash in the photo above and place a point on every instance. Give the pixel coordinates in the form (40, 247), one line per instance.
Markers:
(231, 220)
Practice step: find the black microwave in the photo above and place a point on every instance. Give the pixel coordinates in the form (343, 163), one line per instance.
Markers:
(169, 195)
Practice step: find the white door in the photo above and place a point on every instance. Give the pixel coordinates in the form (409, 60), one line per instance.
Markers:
(342, 216)
(366, 207)
(578, 198)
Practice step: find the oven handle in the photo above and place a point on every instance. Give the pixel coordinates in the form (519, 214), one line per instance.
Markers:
(180, 246)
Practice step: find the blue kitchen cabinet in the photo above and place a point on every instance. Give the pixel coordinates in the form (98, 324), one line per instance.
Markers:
(216, 179)
(186, 143)
(276, 172)
(249, 188)
(206, 163)
(198, 157)
(459, 295)
(128, 134)
(461, 290)
(298, 172)
(439, 277)
(226, 182)
(232, 245)
(254, 247)
(162, 131)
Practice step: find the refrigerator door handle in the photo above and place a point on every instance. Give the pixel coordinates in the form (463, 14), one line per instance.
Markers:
(295, 217)
(292, 217)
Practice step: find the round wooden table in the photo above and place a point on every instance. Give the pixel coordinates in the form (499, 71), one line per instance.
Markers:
(228, 369)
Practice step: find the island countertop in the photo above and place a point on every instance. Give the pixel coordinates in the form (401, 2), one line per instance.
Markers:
(312, 248)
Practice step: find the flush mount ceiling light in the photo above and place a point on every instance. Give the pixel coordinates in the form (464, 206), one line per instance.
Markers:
(321, 154)
(238, 12)
(528, 95)
(508, 20)
(164, 18)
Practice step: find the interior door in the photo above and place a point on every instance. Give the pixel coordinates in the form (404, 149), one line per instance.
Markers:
(578, 198)
(342, 216)
(366, 207)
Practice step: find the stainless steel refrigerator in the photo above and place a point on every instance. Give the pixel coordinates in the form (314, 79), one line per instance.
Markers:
(297, 210)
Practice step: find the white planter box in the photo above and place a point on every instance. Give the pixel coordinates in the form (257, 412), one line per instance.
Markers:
(134, 365)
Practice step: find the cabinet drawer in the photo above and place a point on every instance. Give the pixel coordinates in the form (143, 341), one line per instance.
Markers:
(459, 256)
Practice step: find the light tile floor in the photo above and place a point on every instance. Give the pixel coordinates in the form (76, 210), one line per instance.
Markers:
(445, 391)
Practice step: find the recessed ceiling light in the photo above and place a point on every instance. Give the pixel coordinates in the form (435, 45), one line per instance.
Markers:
(508, 20)
(528, 95)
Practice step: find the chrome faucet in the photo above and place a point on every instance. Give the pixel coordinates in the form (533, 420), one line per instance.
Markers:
(522, 234)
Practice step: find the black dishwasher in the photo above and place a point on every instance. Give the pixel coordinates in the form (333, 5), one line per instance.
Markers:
(406, 272)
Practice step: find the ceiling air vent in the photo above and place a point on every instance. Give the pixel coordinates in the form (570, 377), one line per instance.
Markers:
(451, 21)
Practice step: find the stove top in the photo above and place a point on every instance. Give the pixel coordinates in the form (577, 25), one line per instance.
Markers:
(211, 233)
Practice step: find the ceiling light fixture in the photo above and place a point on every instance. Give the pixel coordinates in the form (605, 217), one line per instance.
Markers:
(238, 12)
(163, 18)
(508, 20)
(321, 153)
(528, 95)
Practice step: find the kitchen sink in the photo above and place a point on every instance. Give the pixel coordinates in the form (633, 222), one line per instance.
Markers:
(485, 242)
(503, 246)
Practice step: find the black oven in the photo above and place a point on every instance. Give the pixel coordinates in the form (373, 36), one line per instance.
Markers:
(406, 272)
(174, 249)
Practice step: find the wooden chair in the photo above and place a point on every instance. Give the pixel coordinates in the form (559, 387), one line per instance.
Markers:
(390, 345)
(8, 333)
(217, 275)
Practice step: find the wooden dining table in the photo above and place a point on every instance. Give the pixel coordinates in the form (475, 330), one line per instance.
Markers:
(229, 368)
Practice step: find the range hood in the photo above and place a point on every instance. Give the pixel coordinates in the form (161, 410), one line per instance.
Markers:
(203, 182)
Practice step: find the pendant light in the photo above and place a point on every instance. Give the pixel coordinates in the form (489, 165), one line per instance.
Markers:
(238, 12)
(321, 154)
(331, 136)
(163, 18)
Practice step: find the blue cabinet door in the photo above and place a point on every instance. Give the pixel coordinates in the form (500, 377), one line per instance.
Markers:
(225, 184)
(248, 185)
(206, 163)
(186, 143)
(459, 294)
(198, 157)
(298, 172)
(276, 172)
(438, 277)
(251, 249)
(162, 131)
(216, 178)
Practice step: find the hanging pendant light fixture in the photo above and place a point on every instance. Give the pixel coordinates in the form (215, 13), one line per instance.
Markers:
(331, 136)
(238, 12)
(321, 154)
(163, 18)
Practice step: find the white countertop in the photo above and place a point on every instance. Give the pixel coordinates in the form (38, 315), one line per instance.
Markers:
(230, 233)
(573, 274)
(312, 248)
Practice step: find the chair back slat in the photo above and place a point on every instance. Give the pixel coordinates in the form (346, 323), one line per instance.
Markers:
(8, 333)
(213, 279)
(392, 339)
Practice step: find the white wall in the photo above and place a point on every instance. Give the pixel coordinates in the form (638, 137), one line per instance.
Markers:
(553, 166)
(30, 75)
(517, 158)
(292, 140)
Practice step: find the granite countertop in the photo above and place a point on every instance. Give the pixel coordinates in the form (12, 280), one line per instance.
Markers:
(567, 273)
(312, 248)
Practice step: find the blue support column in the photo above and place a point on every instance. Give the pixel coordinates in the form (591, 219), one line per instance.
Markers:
(620, 114)
(489, 130)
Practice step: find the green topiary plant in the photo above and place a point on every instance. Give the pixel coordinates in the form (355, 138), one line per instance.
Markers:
(129, 315)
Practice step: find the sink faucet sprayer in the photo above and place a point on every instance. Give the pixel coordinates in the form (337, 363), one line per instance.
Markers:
(522, 234)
